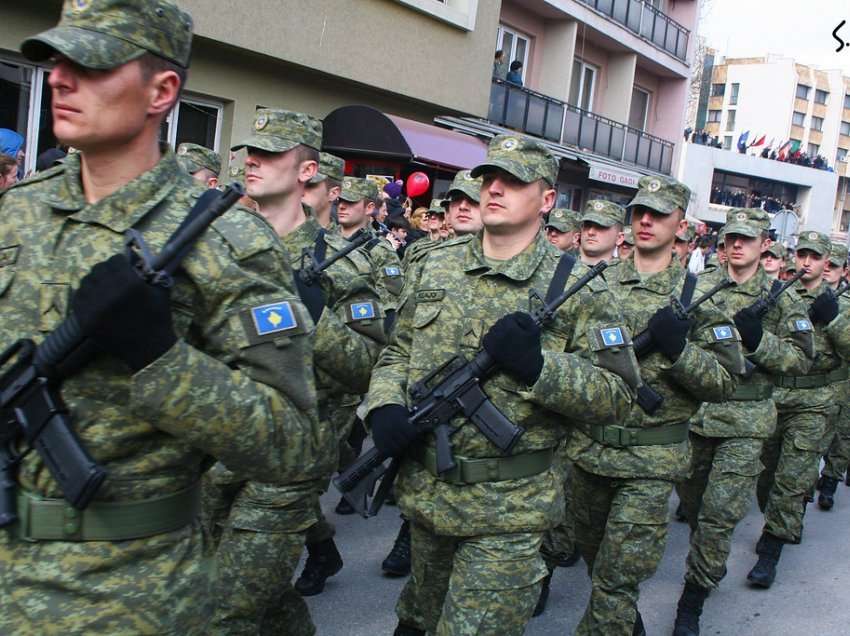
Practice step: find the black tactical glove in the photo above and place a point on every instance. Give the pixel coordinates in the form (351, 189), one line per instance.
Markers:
(124, 315)
(391, 431)
(514, 343)
(824, 309)
(749, 326)
(669, 332)
(312, 296)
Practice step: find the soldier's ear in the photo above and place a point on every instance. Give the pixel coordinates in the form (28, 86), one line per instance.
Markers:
(548, 200)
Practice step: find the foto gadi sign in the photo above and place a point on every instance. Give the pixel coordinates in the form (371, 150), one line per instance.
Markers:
(622, 178)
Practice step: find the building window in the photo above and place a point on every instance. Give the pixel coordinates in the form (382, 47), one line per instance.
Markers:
(516, 47)
(727, 143)
(847, 101)
(718, 90)
(798, 118)
(820, 97)
(714, 116)
(845, 128)
(193, 120)
(841, 155)
(813, 150)
(582, 85)
(803, 91)
(733, 97)
(730, 120)
(817, 123)
(639, 109)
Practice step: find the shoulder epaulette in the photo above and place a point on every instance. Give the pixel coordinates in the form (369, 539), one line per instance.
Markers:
(37, 178)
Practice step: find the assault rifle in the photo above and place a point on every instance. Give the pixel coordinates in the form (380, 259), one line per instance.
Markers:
(642, 342)
(311, 269)
(30, 401)
(453, 389)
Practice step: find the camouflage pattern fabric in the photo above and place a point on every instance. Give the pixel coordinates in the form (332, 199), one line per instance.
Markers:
(330, 167)
(837, 457)
(604, 213)
(446, 309)
(264, 515)
(524, 157)
(471, 585)
(559, 543)
(387, 272)
(222, 390)
(716, 496)
(278, 130)
(355, 190)
(621, 530)
(264, 602)
(662, 194)
(464, 183)
(193, 157)
(104, 34)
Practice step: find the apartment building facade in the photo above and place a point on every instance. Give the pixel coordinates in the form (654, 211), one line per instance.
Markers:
(611, 77)
(784, 101)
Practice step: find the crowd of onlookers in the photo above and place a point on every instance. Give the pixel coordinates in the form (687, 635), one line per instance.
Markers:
(12, 155)
(753, 199)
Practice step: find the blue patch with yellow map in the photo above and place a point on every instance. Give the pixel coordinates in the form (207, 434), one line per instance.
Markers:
(613, 337)
(274, 317)
(362, 311)
(723, 333)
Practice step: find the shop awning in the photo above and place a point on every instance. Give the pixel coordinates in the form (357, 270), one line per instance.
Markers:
(614, 175)
(362, 130)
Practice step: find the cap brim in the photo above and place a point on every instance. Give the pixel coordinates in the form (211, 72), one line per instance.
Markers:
(653, 202)
(350, 197)
(513, 168)
(189, 165)
(317, 178)
(269, 143)
(90, 49)
(599, 220)
(474, 196)
(814, 247)
(743, 230)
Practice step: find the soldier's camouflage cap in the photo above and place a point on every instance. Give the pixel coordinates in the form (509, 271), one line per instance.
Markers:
(564, 220)
(838, 254)
(467, 185)
(628, 236)
(750, 222)
(330, 167)
(354, 190)
(277, 130)
(437, 206)
(193, 157)
(818, 242)
(662, 194)
(777, 250)
(687, 235)
(520, 156)
(236, 173)
(104, 34)
(604, 213)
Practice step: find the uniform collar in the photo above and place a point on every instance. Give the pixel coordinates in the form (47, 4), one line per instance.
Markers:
(304, 234)
(122, 209)
(664, 282)
(805, 293)
(519, 268)
(755, 285)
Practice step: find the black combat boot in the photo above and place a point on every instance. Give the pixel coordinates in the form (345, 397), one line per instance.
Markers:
(544, 595)
(827, 492)
(689, 610)
(344, 508)
(397, 562)
(764, 571)
(639, 629)
(406, 630)
(323, 561)
(681, 515)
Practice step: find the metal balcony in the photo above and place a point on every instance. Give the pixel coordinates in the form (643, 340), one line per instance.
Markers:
(539, 115)
(648, 22)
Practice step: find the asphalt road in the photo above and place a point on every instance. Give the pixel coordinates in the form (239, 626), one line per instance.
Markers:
(810, 596)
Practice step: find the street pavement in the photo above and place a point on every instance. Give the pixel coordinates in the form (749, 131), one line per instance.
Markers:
(809, 597)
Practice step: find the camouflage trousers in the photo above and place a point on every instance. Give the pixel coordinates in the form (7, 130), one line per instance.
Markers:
(621, 530)
(253, 585)
(156, 585)
(837, 453)
(559, 543)
(791, 459)
(471, 586)
(717, 495)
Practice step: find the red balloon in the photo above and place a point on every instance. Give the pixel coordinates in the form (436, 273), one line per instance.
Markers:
(417, 184)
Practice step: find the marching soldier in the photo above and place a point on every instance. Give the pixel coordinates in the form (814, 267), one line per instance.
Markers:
(202, 163)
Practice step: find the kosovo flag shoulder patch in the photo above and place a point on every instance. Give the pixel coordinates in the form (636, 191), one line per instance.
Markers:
(723, 333)
(362, 311)
(392, 271)
(273, 318)
(612, 337)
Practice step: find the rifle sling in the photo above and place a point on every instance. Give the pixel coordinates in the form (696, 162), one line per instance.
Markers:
(559, 279)
(200, 205)
(688, 289)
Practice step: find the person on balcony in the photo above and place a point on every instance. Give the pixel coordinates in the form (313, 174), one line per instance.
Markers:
(515, 74)
(500, 66)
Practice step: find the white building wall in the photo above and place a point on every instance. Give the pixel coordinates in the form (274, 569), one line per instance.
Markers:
(816, 187)
(832, 121)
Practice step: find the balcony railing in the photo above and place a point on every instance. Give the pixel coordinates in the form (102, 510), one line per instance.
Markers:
(536, 114)
(648, 22)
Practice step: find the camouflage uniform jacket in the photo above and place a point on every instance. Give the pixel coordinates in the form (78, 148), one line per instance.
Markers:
(387, 272)
(221, 390)
(832, 341)
(701, 373)
(838, 331)
(455, 298)
(786, 348)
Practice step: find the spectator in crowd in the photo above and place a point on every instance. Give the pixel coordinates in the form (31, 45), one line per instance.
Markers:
(515, 74)
(435, 221)
(49, 158)
(12, 144)
(500, 66)
(8, 172)
(417, 219)
(399, 229)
